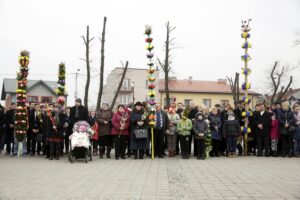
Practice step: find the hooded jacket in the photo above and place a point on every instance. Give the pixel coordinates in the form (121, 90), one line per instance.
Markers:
(184, 127)
(200, 126)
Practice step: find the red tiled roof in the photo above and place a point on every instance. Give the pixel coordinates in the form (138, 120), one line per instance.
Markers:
(197, 86)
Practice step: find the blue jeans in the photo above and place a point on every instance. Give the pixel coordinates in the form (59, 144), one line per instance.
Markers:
(16, 145)
(297, 147)
(231, 143)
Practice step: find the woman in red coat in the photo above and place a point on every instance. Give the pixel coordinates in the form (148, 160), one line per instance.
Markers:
(120, 123)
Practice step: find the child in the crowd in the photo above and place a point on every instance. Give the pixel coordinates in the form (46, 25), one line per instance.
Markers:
(231, 130)
(200, 129)
(274, 134)
(184, 128)
(94, 125)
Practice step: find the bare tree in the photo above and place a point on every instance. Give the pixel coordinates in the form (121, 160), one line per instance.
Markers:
(166, 66)
(235, 88)
(120, 85)
(102, 64)
(279, 85)
(87, 41)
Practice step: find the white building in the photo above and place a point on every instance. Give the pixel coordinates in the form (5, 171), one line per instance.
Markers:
(134, 88)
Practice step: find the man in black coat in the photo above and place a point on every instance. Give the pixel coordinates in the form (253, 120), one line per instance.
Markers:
(262, 120)
(34, 129)
(161, 126)
(10, 122)
(252, 136)
(78, 113)
(2, 127)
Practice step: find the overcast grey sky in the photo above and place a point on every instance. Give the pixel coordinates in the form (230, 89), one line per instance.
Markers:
(208, 34)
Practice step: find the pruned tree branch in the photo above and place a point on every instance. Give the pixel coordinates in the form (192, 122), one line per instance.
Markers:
(100, 92)
(120, 85)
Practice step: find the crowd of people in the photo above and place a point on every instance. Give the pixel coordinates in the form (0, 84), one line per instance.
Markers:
(178, 130)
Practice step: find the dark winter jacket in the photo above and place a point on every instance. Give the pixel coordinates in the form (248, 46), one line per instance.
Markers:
(10, 119)
(215, 125)
(101, 117)
(35, 121)
(59, 131)
(265, 120)
(200, 126)
(137, 116)
(141, 143)
(286, 116)
(82, 115)
(2, 120)
(193, 113)
(231, 128)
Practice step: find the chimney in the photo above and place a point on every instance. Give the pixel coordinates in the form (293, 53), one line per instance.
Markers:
(190, 79)
(220, 80)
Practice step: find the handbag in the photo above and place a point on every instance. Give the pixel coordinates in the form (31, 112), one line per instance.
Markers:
(141, 133)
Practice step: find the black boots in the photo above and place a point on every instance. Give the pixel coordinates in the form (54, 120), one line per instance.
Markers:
(201, 157)
(108, 152)
(101, 152)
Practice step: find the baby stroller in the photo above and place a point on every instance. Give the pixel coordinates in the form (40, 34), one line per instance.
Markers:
(80, 144)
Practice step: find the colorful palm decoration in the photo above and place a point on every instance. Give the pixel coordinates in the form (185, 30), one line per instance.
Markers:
(151, 84)
(246, 85)
(21, 121)
(61, 83)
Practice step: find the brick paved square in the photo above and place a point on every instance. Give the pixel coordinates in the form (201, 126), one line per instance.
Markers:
(216, 178)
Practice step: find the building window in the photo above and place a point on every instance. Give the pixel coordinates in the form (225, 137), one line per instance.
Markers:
(207, 102)
(47, 99)
(224, 102)
(187, 102)
(126, 84)
(32, 99)
(125, 99)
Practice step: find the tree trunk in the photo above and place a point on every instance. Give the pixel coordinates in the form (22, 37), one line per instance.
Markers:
(87, 60)
(101, 65)
(237, 78)
(119, 86)
(167, 68)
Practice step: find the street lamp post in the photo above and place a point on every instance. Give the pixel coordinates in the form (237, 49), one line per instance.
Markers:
(76, 78)
(132, 86)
